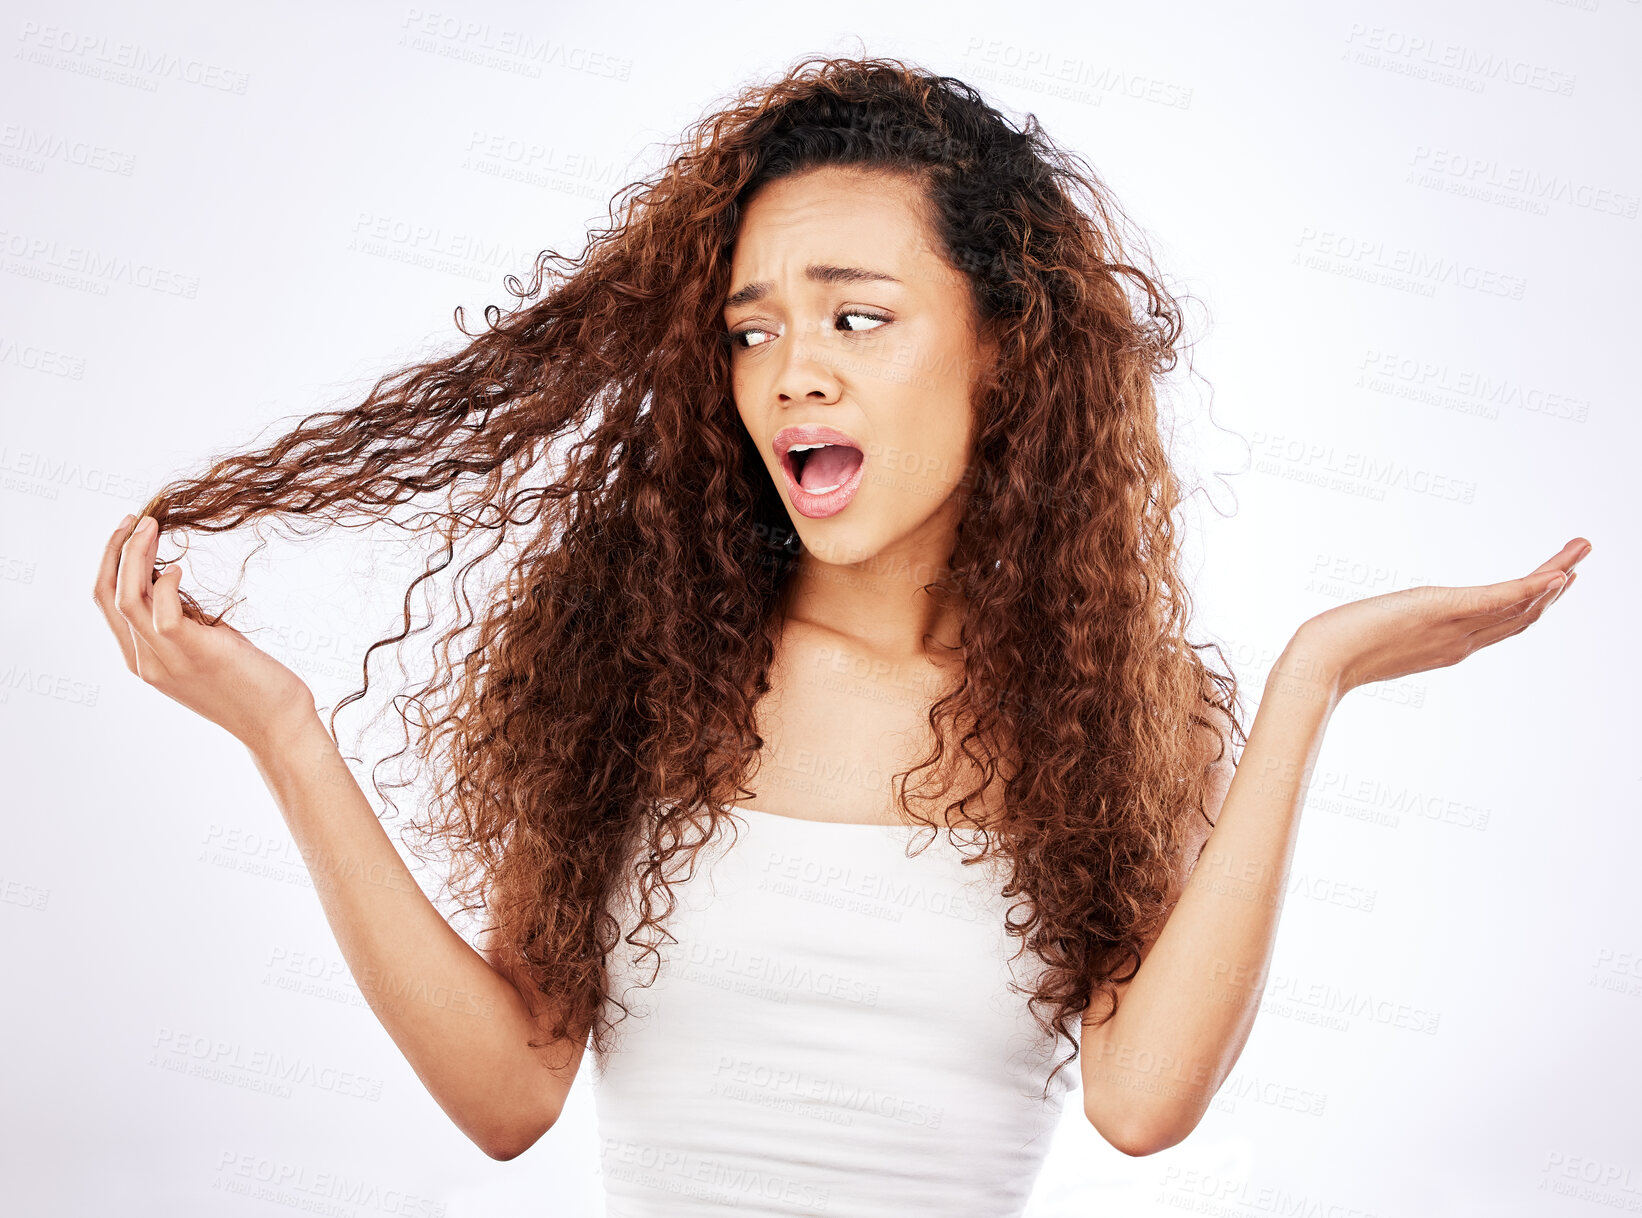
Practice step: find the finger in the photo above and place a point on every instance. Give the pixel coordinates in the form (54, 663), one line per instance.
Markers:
(135, 575)
(102, 589)
(1494, 604)
(1577, 548)
(1557, 595)
(1490, 604)
(1484, 638)
(1516, 622)
(1554, 563)
(110, 561)
(134, 597)
(1562, 562)
(168, 615)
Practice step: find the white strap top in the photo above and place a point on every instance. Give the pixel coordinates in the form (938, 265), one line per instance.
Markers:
(833, 1033)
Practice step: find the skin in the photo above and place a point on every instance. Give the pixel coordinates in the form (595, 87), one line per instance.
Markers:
(892, 362)
(896, 375)
(1148, 1073)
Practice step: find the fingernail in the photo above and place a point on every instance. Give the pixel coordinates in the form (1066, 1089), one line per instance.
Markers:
(146, 523)
(125, 521)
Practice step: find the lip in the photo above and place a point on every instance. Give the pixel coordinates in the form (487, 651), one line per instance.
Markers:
(807, 503)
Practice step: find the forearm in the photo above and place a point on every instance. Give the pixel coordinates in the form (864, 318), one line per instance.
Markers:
(1188, 1011)
(462, 1026)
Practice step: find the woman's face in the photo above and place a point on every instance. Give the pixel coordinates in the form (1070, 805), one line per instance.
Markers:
(849, 328)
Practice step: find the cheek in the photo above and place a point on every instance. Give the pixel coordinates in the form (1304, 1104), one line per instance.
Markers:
(738, 401)
(927, 454)
(947, 435)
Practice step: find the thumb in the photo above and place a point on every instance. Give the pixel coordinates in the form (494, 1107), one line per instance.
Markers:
(168, 613)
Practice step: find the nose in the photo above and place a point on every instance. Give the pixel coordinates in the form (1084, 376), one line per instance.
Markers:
(804, 373)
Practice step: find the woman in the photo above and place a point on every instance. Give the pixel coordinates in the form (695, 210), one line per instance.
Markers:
(862, 479)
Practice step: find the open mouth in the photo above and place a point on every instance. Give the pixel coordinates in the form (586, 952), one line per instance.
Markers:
(819, 468)
(824, 467)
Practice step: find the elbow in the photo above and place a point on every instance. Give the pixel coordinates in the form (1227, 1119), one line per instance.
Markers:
(1136, 1137)
(512, 1143)
(503, 1151)
(1151, 1144)
(1135, 1144)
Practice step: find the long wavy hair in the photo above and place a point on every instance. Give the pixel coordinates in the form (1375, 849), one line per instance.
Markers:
(605, 692)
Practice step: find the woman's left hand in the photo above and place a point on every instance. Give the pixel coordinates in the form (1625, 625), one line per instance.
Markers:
(1418, 629)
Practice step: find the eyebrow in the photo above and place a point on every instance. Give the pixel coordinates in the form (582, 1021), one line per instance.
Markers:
(816, 272)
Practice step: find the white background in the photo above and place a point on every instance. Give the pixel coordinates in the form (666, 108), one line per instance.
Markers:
(1413, 233)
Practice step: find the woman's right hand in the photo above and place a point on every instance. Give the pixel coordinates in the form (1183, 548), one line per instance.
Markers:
(215, 671)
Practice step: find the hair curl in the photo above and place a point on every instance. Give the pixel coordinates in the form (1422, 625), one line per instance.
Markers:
(614, 670)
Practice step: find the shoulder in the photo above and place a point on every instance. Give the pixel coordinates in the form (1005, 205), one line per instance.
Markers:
(1214, 740)
(1211, 754)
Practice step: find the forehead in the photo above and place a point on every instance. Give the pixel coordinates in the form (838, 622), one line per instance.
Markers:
(842, 216)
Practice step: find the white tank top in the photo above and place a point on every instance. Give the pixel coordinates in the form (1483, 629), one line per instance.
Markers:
(832, 1033)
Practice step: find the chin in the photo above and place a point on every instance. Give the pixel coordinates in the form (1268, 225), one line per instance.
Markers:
(835, 544)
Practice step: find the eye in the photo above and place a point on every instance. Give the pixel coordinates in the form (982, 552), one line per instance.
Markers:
(743, 340)
(737, 338)
(868, 316)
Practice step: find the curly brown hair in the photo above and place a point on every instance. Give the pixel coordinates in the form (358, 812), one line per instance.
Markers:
(615, 668)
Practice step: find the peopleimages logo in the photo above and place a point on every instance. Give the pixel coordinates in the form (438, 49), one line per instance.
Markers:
(1324, 465)
(265, 1070)
(1370, 258)
(1380, 46)
(297, 1185)
(124, 62)
(513, 50)
(88, 269)
(1478, 173)
(33, 148)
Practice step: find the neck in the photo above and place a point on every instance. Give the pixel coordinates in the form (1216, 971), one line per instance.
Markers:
(882, 604)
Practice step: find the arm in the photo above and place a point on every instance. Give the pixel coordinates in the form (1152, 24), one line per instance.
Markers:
(459, 1021)
(1150, 1071)
(462, 1023)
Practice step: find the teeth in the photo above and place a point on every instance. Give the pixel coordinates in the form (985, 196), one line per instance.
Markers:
(800, 448)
